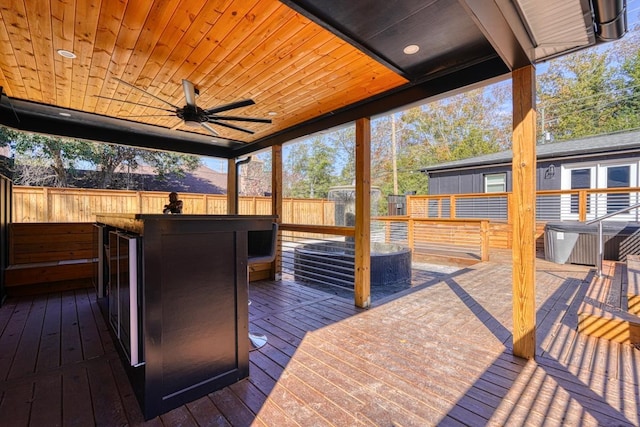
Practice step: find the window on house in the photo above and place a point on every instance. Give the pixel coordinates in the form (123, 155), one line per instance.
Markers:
(580, 179)
(618, 177)
(495, 183)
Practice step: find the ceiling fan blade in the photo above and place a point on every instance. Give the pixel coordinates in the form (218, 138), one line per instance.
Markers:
(146, 93)
(189, 93)
(134, 103)
(230, 126)
(240, 119)
(148, 115)
(231, 106)
(209, 128)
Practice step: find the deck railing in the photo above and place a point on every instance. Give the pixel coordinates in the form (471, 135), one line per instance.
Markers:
(551, 205)
(448, 239)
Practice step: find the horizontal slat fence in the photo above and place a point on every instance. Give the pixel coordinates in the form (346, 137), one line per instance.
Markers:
(449, 240)
(551, 205)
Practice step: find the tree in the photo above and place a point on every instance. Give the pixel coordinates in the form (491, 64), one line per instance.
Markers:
(50, 160)
(165, 163)
(60, 155)
(629, 94)
(310, 168)
(576, 96)
(108, 157)
(458, 127)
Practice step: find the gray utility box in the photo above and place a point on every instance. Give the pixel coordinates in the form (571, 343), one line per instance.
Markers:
(574, 242)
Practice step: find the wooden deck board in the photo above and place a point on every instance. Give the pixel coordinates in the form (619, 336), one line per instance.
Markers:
(438, 355)
(49, 354)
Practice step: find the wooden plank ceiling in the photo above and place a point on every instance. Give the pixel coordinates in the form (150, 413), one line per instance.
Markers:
(297, 70)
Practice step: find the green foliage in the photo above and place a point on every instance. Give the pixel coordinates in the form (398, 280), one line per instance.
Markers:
(36, 152)
(165, 163)
(590, 92)
(309, 169)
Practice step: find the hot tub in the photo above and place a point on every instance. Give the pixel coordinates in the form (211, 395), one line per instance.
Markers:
(574, 242)
(332, 263)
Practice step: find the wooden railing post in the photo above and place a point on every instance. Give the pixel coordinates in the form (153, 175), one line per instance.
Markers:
(452, 207)
(387, 231)
(410, 234)
(582, 205)
(484, 240)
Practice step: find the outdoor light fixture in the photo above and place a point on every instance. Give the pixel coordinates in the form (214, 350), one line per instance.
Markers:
(411, 49)
(66, 54)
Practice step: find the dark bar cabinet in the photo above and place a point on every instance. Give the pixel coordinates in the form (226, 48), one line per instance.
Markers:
(176, 300)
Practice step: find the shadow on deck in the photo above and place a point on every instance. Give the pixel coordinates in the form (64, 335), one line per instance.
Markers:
(438, 353)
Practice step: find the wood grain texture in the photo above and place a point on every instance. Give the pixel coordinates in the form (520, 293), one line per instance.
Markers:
(362, 261)
(438, 355)
(230, 49)
(523, 208)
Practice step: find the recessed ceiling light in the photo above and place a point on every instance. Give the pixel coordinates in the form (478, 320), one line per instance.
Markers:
(66, 54)
(65, 114)
(411, 49)
(272, 113)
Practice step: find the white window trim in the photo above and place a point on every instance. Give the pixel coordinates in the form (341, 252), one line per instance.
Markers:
(598, 180)
(504, 181)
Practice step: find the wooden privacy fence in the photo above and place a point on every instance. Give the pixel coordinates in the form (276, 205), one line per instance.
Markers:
(43, 204)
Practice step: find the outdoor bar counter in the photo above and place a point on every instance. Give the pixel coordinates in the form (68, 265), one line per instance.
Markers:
(174, 290)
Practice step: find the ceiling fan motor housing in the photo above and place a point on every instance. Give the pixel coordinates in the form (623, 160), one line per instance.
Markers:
(192, 116)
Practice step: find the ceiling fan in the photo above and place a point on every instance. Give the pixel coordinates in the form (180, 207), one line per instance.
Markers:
(195, 116)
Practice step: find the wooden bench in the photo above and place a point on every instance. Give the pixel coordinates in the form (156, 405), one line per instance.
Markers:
(50, 256)
(610, 308)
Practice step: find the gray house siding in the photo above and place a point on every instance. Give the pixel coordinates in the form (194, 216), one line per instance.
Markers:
(548, 176)
(596, 153)
(472, 181)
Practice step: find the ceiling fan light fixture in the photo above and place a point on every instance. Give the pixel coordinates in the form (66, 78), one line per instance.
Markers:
(411, 49)
(66, 54)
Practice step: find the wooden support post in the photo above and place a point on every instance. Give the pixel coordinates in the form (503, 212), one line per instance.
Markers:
(276, 205)
(363, 214)
(232, 187)
(523, 209)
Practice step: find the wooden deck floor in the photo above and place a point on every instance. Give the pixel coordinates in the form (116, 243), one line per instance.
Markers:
(437, 354)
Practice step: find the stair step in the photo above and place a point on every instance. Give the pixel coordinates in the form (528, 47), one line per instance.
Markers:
(604, 311)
